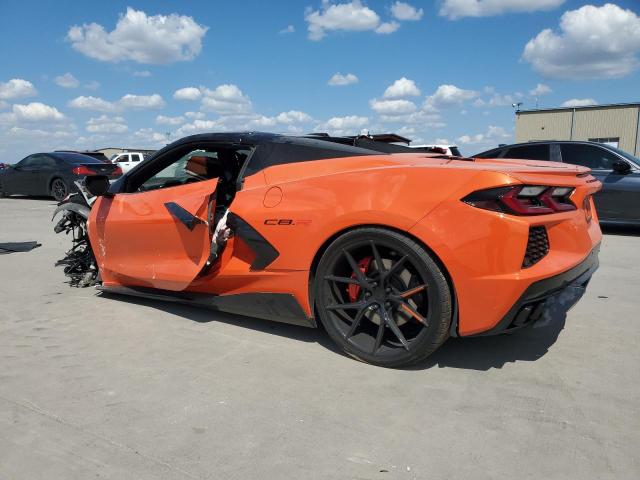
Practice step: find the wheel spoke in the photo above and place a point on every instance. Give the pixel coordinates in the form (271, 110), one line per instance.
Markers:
(411, 311)
(379, 337)
(412, 291)
(378, 259)
(396, 266)
(393, 326)
(333, 278)
(347, 306)
(362, 280)
(356, 322)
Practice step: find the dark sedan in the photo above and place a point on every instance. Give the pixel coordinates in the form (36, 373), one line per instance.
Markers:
(52, 174)
(619, 200)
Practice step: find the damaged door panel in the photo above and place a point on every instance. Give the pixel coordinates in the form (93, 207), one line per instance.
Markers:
(159, 238)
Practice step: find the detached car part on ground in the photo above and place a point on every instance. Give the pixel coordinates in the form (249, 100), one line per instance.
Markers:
(391, 252)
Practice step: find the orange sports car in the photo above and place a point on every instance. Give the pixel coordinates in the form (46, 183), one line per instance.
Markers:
(392, 251)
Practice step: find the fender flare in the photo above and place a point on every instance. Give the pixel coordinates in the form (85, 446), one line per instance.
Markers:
(73, 207)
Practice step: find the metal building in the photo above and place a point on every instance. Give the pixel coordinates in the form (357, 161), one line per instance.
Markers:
(615, 124)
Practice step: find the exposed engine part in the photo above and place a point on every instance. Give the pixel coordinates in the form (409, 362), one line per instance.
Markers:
(79, 262)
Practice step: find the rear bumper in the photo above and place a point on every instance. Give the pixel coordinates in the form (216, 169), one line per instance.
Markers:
(550, 298)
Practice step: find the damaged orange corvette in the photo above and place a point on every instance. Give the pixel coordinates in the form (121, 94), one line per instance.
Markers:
(392, 251)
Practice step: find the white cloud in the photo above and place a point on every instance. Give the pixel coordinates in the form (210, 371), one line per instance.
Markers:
(155, 39)
(92, 103)
(141, 102)
(16, 88)
(455, 9)
(288, 29)
(127, 102)
(197, 115)
(225, 99)
(142, 73)
(92, 85)
(579, 102)
(147, 137)
(406, 12)
(32, 112)
(387, 27)
(392, 107)
(340, 80)
(67, 81)
(187, 93)
(200, 126)
(541, 89)
(164, 120)
(497, 100)
(593, 42)
(348, 125)
(402, 88)
(351, 17)
(3, 104)
(107, 125)
(418, 118)
(447, 95)
(492, 135)
(37, 112)
(293, 116)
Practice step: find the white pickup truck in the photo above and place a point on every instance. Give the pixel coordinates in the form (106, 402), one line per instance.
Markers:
(127, 160)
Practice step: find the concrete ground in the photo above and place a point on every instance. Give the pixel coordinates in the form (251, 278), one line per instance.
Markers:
(111, 387)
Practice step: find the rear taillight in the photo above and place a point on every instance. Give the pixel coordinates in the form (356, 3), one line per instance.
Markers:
(82, 170)
(523, 199)
(117, 171)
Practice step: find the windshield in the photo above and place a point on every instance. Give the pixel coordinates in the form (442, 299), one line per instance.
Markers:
(455, 151)
(628, 156)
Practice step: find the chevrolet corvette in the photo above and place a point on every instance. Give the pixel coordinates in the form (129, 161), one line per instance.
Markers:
(392, 251)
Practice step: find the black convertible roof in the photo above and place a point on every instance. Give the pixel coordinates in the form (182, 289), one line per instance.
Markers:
(354, 145)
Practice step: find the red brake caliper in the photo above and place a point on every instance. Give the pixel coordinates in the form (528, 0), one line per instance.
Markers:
(354, 290)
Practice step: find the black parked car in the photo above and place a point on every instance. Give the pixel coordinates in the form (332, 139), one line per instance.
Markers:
(619, 200)
(52, 174)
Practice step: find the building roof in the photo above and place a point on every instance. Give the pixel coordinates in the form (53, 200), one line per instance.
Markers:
(586, 107)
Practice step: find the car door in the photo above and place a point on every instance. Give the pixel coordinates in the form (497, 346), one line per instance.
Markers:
(47, 166)
(25, 176)
(158, 238)
(620, 195)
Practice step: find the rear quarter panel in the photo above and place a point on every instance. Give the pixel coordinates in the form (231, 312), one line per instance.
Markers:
(321, 199)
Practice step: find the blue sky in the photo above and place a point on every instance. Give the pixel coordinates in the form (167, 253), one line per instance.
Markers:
(95, 74)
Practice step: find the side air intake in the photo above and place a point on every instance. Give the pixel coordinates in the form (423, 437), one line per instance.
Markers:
(537, 246)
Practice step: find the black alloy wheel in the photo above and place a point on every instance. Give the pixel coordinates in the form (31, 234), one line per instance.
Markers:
(59, 189)
(382, 298)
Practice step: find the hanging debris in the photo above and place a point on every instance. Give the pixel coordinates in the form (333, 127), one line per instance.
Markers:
(79, 262)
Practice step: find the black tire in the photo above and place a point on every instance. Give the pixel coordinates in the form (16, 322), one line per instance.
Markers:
(59, 189)
(2, 194)
(409, 295)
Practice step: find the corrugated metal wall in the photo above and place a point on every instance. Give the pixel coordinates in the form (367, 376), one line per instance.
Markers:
(543, 126)
(609, 121)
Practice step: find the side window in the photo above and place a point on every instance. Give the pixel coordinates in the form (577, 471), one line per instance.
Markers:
(136, 157)
(189, 165)
(29, 161)
(48, 162)
(588, 156)
(529, 152)
(123, 158)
